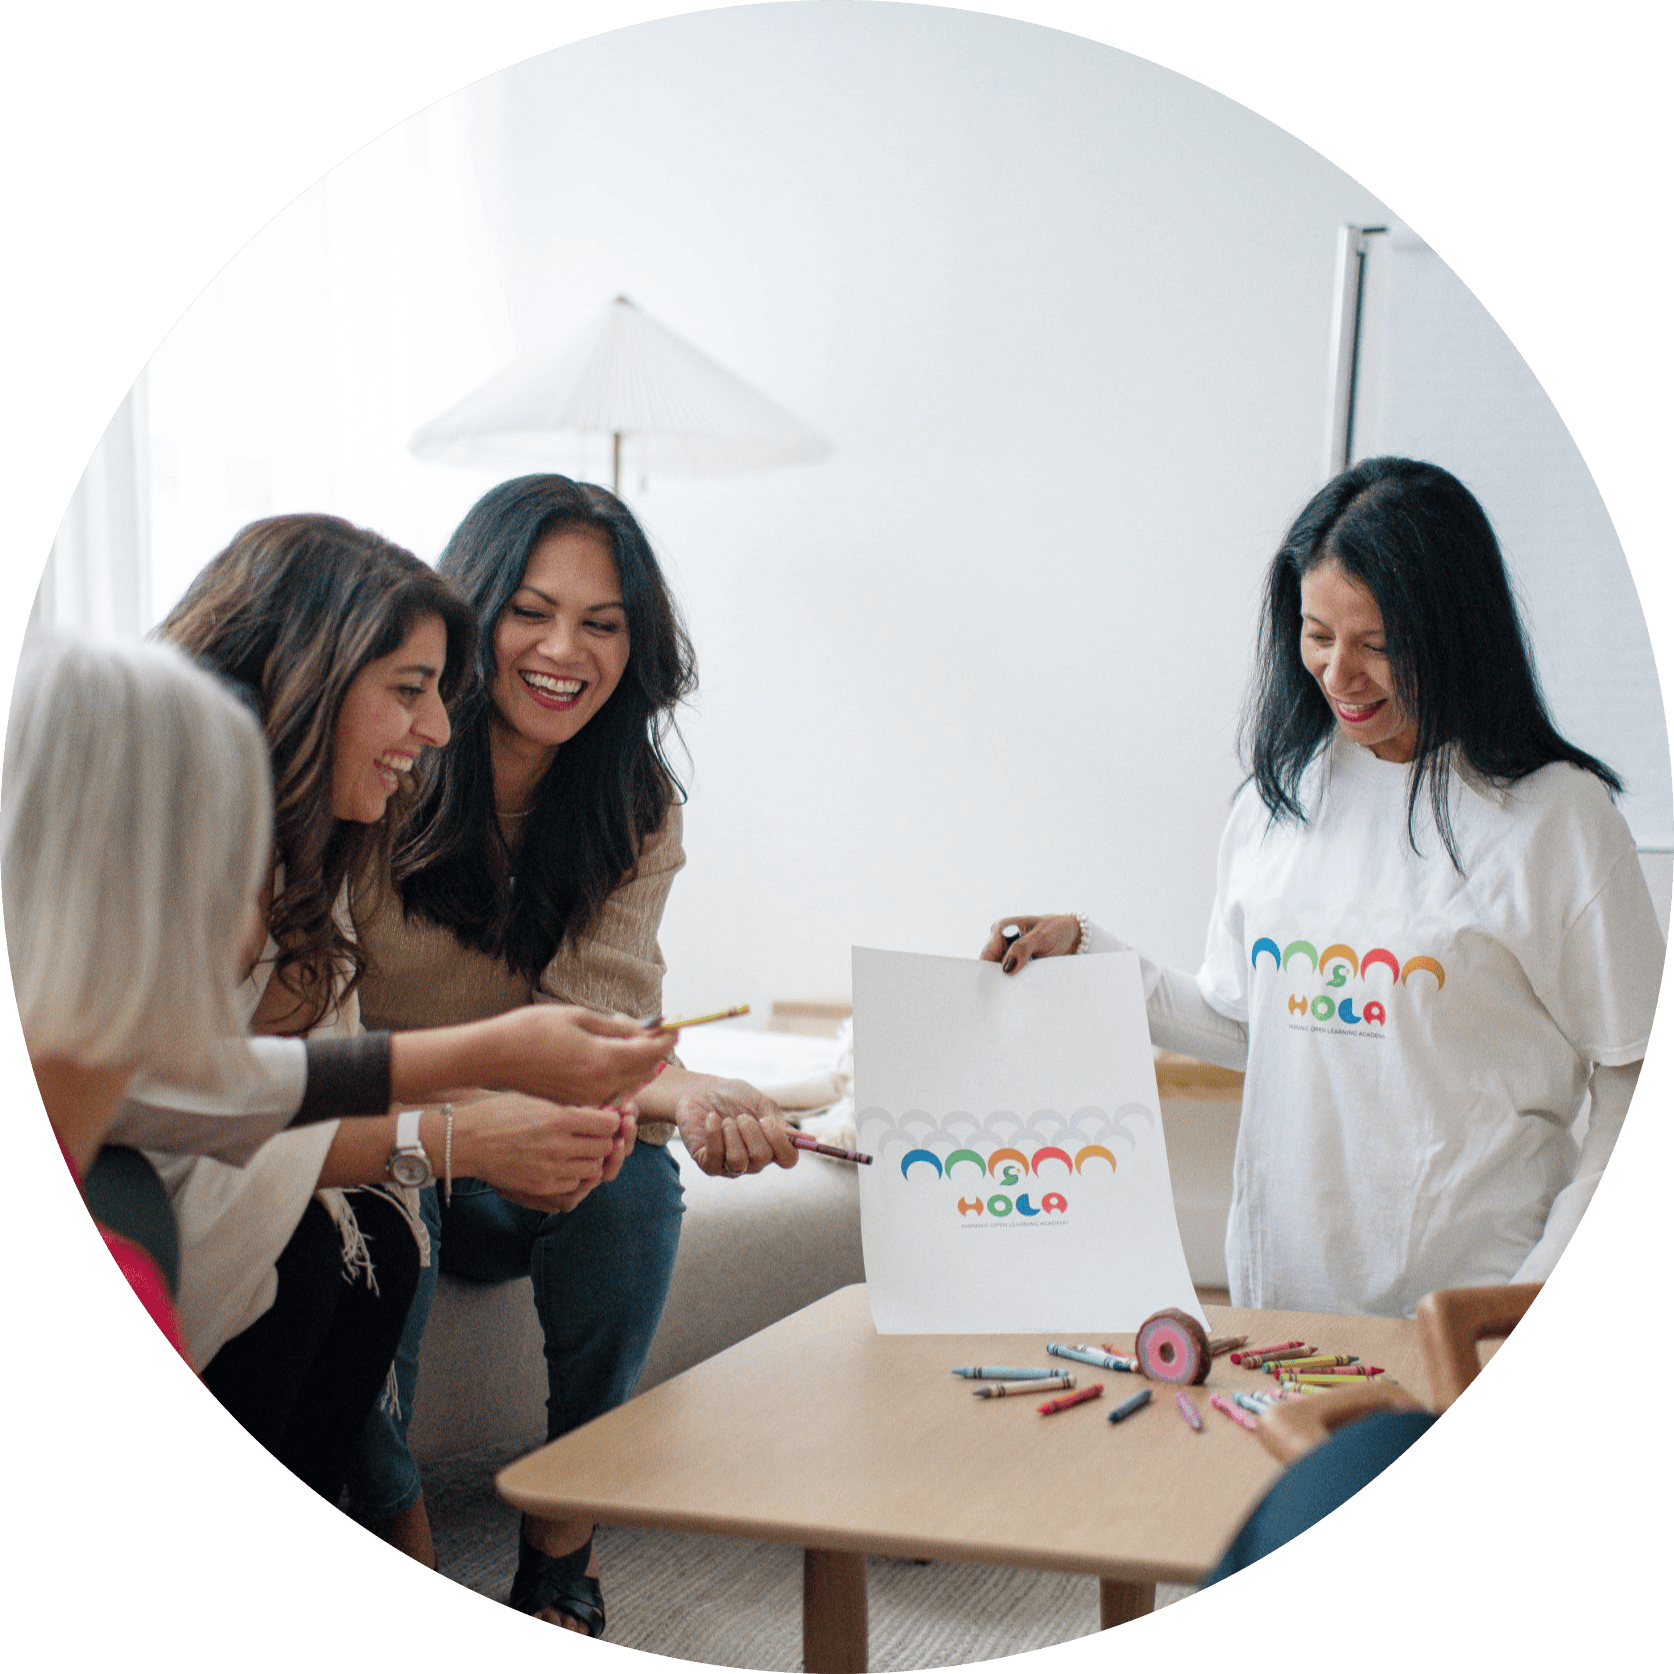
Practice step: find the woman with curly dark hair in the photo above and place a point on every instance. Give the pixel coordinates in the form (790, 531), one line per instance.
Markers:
(1432, 946)
(536, 863)
(294, 1285)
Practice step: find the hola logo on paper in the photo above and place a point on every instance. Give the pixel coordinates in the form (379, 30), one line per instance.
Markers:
(984, 1174)
(1356, 988)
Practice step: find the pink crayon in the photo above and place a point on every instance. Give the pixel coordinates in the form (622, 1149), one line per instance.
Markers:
(1187, 1411)
(1221, 1404)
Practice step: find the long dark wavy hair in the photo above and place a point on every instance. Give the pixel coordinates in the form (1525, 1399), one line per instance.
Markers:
(1415, 537)
(608, 789)
(291, 612)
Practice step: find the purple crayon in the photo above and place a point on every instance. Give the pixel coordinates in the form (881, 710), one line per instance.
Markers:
(806, 1142)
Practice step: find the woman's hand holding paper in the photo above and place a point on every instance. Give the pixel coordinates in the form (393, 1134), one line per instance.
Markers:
(1038, 937)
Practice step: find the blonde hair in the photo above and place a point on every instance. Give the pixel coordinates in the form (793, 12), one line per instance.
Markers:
(135, 830)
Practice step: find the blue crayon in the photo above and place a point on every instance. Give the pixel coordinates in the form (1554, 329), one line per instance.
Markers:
(1129, 1406)
(1093, 1357)
(1004, 1372)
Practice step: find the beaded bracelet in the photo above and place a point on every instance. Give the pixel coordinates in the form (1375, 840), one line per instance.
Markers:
(1081, 939)
(447, 1154)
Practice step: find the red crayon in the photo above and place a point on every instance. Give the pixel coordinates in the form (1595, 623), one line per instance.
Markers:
(1249, 1356)
(1090, 1393)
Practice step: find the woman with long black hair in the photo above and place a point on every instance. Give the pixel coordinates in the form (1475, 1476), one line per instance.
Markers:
(1432, 943)
(536, 864)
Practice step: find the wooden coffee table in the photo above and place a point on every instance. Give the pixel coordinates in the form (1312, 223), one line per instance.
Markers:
(819, 1433)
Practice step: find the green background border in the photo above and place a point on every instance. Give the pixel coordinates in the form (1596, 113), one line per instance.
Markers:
(146, 143)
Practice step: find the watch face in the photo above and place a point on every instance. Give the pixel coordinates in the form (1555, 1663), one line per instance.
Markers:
(410, 1168)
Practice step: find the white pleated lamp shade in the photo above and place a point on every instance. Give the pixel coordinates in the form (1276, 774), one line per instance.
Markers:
(675, 411)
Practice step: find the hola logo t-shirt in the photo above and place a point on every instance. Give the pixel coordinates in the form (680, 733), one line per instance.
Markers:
(1420, 1037)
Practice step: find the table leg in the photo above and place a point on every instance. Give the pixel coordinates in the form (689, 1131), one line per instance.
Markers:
(833, 1612)
(1121, 1601)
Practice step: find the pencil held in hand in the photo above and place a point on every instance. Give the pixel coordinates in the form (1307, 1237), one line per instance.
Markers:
(673, 1025)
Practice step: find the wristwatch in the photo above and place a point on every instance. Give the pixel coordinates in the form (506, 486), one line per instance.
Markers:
(407, 1164)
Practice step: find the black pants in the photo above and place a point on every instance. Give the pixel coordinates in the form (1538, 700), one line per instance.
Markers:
(304, 1377)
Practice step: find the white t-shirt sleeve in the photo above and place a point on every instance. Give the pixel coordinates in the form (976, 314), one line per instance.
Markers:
(1603, 986)
(1223, 978)
(257, 1088)
(1179, 1017)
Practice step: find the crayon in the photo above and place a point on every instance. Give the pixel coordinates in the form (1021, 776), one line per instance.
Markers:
(1245, 1356)
(1274, 1360)
(1335, 1371)
(1296, 1361)
(1093, 1357)
(1221, 1404)
(1187, 1411)
(1029, 1386)
(1002, 1372)
(807, 1142)
(1090, 1393)
(1325, 1380)
(1130, 1406)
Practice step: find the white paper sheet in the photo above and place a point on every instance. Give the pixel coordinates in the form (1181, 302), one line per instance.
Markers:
(1020, 1180)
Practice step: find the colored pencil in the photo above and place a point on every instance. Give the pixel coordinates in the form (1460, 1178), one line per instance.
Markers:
(669, 1026)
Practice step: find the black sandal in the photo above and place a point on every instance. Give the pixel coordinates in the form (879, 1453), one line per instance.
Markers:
(561, 1584)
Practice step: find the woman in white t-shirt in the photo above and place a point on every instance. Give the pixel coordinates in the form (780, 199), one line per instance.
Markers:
(1432, 944)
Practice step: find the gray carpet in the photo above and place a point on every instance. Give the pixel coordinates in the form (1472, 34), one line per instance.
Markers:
(738, 1603)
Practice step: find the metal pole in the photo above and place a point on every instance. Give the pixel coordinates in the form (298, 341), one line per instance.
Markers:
(1349, 310)
(616, 463)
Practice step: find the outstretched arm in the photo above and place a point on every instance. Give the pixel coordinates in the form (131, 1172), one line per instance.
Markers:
(1180, 1019)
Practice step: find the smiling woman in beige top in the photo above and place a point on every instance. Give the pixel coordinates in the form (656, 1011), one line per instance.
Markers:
(537, 863)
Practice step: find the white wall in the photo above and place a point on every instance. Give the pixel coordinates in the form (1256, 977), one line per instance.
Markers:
(1065, 316)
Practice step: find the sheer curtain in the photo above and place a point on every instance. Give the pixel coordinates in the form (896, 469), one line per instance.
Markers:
(294, 380)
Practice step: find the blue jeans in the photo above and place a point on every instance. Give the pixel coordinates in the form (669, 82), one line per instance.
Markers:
(601, 1276)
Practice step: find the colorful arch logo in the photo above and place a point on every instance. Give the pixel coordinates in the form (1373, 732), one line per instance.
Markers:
(1002, 1166)
(1339, 962)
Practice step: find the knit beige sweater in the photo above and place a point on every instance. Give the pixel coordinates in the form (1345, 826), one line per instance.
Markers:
(420, 977)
